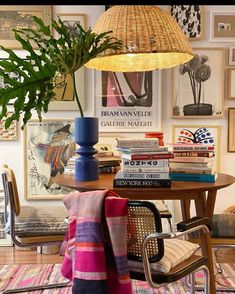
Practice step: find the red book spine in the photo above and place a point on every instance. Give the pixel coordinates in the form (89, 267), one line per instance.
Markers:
(151, 156)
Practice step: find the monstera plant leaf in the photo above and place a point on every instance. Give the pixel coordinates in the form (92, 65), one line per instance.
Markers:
(34, 87)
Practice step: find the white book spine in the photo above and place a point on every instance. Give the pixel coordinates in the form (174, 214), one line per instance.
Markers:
(145, 163)
(146, 169)
(143, 176)
(138, 143)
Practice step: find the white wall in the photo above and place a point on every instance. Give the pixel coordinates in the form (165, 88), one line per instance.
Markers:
(13, 153)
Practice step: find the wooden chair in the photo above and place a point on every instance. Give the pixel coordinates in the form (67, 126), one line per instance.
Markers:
(25, 240)
(148, 247)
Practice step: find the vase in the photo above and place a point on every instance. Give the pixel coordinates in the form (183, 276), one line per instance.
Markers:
(86, 135)
(198, 109)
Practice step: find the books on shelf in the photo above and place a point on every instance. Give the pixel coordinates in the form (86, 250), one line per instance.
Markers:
(141, 175)
(145, 156)
(194, 177)
(146, 142)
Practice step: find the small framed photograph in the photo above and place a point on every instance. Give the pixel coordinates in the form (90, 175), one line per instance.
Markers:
(222, 26)
(65, 99)
(231, 83)
(190, 19)
(128, 102)
(198, 85)
(231, 130)
(17, 17)
(47, 147)
(199, 134)
(231, 55)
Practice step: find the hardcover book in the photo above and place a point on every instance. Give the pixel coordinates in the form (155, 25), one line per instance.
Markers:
(191, 159)
(145, 163)
(193, 147)
(125, 175)
(193, 177)
(194, 153)
(143, 156)
(193, 165)
(141, 169)
(143, 149)
(141, 183)
(147, 142)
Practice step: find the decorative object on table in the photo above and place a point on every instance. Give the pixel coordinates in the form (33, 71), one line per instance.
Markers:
(159, 135)
(48, 145)
(231, 57)
(198, 86)
(222, 26)
(231, 84)
(56, 58)
(190, 135)
(128, 101)
(153, 39)
(231, 129)
(190, 19)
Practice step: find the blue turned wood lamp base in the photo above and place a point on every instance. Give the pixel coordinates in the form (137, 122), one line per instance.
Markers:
(86, 135)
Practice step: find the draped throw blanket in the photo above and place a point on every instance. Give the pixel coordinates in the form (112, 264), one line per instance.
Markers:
(96, 250)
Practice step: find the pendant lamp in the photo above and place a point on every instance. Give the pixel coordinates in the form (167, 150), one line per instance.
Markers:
(151, 38)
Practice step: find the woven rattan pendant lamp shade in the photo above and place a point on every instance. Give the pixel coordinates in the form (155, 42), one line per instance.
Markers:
(151, 39)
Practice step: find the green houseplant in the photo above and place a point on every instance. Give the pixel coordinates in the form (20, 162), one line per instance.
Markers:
(36, 76)
(34, 87)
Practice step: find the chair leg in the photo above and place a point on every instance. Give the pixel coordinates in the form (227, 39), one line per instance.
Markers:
(33, 288)
(192, 283)
(207, 280)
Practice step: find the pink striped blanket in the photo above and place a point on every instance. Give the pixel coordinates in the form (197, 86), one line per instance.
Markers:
(96, 250)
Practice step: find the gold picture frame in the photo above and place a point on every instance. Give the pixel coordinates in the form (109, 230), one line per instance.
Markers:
(190, 19)
(231, 84)
(199, 134)
(231, 130)
(20, 16)
(64, 99)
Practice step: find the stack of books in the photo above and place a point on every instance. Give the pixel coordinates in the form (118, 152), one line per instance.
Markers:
(108, 163)
(144, 163)
(193, 162)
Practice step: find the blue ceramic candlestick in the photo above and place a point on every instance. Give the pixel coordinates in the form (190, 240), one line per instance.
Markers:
(86, 135)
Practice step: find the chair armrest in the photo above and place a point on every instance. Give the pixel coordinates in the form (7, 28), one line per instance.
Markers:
(194, 222)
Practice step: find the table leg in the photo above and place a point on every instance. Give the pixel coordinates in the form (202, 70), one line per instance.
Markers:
(202, 209)
(185, 209)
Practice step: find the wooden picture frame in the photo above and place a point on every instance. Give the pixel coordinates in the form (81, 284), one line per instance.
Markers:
(47, 147)
(128, 102)
(222, 26)
(209, 100)
(190, 19)
(201, 134)
(231, 84)
(10, 13)
(231, 130)
(231, 55)
(64, 99)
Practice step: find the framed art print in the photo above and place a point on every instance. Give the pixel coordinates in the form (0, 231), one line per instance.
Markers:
(190, 19)
(17, 17)
(65, 99)
(231, 130)
(47, 147)
(198, 85)
(231, 83)
(9, 134)
(222, 26)
(231, 58)
(199, 134)
(128, 102)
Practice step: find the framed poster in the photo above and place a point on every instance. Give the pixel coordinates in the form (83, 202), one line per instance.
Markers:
(199, 134)
(9, 134)
(190, 19)
(231, 58)
(128, 102)
(231, 83)
(198, 85)
(18, 17)
(222, 26)
(231, 130)
(47, 147)
(65, 99)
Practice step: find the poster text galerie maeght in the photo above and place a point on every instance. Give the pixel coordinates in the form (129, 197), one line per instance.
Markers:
(128, 101)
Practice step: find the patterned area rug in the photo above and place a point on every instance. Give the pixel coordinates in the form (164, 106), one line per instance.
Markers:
(24, 275)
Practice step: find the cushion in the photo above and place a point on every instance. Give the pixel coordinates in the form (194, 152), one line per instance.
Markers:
(223, 225)
(175, 252)
(40, 221)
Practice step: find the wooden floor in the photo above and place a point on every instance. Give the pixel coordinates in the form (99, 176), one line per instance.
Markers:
(10, 255)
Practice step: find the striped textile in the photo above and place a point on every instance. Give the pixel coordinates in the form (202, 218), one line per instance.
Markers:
(96, 250)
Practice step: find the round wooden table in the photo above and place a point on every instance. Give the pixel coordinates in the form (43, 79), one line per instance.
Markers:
(203, 194)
